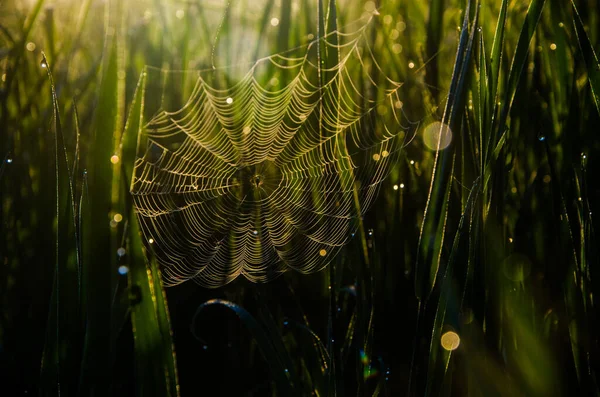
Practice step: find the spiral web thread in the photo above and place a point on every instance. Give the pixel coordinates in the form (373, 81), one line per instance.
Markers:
(253, 181)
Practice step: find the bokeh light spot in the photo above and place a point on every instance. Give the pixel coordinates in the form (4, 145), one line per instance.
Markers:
(432, 134)
(450, 340)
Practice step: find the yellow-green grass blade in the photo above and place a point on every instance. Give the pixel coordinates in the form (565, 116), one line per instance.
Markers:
(589, 55)
(534, 13)
(155, 360)
(62, 349)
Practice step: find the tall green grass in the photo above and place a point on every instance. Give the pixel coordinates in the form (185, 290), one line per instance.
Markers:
(491, 238)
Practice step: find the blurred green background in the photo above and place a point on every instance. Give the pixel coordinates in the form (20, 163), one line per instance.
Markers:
(490, 240)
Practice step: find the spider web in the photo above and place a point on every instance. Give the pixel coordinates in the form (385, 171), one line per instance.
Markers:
(271, 172)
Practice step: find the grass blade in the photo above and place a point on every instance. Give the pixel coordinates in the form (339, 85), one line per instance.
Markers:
(590, 57)
(62, 348)
(534, 13)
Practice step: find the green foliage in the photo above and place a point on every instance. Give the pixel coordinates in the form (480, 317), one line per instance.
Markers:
(491, 238)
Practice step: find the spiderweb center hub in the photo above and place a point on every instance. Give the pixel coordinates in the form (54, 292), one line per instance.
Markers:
(257, 182)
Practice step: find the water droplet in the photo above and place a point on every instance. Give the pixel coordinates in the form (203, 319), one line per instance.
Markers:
(285, 323)
(412, 162)
(30, 46)
(113, 223)
(274, 21)
(411, 65)
(376, 157)
(553, 47)
(118, 217)
(255, 232)
(561, 25)
(121, 251)
(323, 252)
(114, 159)
(339, 309)
(123, 270)
(286, 370)
(9, 160)
(541, 138)
(229, 100)
(395, 187)
(402, 186)
(44, 64)
(479, 29)
(180, 14)
(151, 240)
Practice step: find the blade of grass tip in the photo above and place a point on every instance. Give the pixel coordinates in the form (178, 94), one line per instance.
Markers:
(156, 365)
(534, 13)
(268, 351)
(62, 348)
(589, 55)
